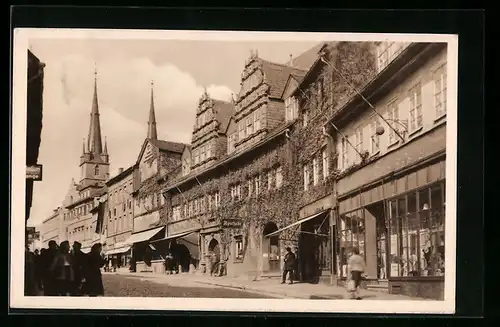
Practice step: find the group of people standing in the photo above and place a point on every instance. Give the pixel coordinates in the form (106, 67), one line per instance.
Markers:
(62, 271)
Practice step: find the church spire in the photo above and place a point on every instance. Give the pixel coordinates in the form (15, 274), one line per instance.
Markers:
(152, 134)
(105, 145)
(94, 141)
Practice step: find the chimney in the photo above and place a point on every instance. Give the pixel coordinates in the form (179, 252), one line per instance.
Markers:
(291, 60)
(120, 170)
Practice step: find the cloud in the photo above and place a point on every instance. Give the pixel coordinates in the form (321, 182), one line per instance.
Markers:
(124, 87)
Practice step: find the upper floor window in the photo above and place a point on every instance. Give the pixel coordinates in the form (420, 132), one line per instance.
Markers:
(291, 108)
(249, 125)
(440, 90)
(393, 119)
(96, 170)
(250, 187)
(209, 150)
(242, 129)
(217, 199)
(375, 138)
(256, 120)
(315, 171)
(305, 170)
(345, 152)
(305, 118)
(257, 184)
(387, 51)
(279, 177)
(359, 139)
(176, 213)
(202, 153)
(236, 192)
(196, 157)
(231, 144)
(269, 179)
(202, 204)
(415, 107)
(326, 163)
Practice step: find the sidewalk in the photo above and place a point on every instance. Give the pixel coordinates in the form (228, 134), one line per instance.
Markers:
(269, 287)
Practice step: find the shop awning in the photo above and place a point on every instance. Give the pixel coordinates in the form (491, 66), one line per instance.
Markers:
(85, 250)
(303, 220)
(118, 250)
(143, 236)
(190, 239)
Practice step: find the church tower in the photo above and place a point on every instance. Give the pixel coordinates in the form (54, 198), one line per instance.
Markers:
(152, 133)
(94, 161)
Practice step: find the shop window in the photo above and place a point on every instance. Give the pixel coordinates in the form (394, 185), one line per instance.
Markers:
(416, 229)
(238, 248)
(352, 234)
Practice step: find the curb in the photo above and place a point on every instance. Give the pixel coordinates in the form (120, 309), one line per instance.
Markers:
(253, 290)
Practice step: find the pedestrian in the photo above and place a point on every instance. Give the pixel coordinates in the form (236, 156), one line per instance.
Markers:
(63, 271)
(93, 279)
(289, 265)
(49, 283)
(30, 284)
(79, 264)
(355, 269)
(39, 268)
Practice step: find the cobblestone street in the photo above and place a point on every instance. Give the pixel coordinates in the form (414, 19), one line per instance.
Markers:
(120, 286)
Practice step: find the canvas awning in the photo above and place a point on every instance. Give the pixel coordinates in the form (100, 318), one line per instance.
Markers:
(143, 236)
(190, 239)
(118, 250)
(303, 220)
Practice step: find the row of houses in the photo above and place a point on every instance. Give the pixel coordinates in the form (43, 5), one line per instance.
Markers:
(348, 152)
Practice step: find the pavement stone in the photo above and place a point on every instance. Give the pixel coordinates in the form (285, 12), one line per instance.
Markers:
(268, 287)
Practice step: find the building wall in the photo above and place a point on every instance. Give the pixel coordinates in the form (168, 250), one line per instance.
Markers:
(120, 212)
(400, 97)
(82, 230)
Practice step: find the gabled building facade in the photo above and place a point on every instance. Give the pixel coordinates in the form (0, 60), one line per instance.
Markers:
(156, 160)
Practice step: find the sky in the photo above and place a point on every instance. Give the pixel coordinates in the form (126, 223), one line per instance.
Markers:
(125, 68)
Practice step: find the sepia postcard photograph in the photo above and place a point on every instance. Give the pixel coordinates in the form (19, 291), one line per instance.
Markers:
(233, 171)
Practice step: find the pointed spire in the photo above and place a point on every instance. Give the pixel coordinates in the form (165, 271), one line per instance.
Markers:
(94, 140)
(152, 134)
(105, 145)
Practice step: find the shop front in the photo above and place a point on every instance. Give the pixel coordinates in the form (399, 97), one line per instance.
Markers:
(314, 242)
(398, 224)
(119, 257)
(144, 256)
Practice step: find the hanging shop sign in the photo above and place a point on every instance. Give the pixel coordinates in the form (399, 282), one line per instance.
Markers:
(34, 172)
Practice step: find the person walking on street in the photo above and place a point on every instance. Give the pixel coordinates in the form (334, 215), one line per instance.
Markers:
(93, 279)
(62, 268)
(289, 265)
(49, 284)
(79, 265)
(30, 283)
(355, 269)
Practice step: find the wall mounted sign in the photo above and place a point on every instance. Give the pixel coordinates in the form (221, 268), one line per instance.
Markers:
(34, 172)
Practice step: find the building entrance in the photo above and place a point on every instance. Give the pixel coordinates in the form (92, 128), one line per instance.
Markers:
(270, 250)
(314, 249)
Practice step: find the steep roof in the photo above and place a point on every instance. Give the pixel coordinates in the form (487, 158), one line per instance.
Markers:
(296, 76)
(224, 111)
(307, 58)
(276, 76)
(168, 146)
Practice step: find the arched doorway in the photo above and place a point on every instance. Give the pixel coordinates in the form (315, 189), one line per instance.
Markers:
(270, 249)
(214, 248)
(181, 255)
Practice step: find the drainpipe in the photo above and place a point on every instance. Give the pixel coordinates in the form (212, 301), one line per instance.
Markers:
(333, 217)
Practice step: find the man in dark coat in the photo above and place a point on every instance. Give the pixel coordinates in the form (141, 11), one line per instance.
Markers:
(289, 265)
(79, 265)
(49, 282)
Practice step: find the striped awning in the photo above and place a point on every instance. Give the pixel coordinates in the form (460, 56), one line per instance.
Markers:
(118, 250)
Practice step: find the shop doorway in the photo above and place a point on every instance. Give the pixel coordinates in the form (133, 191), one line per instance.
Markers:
(182, 256)
(315, 250)
(270, 250)
(377, 210)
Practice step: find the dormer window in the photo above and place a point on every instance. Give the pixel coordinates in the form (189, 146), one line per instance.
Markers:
(96, 170)
(291, 108)
(231, 144)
